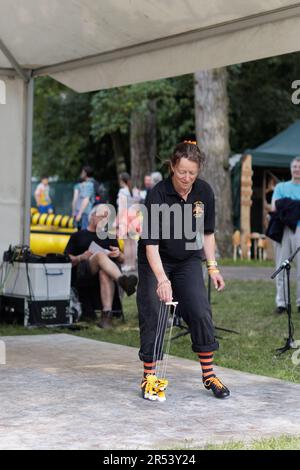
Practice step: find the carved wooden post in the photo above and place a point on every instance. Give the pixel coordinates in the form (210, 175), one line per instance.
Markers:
(246, 202)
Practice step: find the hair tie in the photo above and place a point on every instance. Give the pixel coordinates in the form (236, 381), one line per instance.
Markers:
(194, 142)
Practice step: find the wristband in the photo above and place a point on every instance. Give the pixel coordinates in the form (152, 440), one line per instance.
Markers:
(211, 263)
(213, 271)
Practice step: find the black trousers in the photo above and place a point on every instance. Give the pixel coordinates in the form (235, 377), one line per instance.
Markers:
(189, 290)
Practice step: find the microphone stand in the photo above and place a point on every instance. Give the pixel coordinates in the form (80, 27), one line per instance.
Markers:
(286, 266)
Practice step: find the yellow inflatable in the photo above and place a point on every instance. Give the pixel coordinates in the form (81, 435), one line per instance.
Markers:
(50, 233)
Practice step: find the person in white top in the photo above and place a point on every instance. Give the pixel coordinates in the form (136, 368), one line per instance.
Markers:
(128, 220)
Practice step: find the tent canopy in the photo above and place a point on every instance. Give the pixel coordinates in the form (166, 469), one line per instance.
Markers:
(89, 45)
(279, 151)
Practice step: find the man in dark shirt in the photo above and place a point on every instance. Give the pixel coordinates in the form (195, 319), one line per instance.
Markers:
(87, 262)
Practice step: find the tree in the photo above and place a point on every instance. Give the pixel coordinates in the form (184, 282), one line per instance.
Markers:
(72, 129)
(143, 142)
(61, 138)
(212, 127)
(175, 117)
(110, 115)
(131, 110)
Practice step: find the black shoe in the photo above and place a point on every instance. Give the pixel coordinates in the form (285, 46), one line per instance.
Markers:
(128, 283)
(215, 385)
(280, 310)
(105, 320)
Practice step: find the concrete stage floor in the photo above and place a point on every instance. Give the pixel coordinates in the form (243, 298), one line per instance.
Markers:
(64, 392)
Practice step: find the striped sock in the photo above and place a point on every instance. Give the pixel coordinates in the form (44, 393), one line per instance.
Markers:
(149, 368)
(206, 362)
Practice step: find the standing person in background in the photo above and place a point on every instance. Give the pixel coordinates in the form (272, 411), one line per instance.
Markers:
(127, 215)
(42, 196)
(156, 178)
(83, 198)
(148, 185)
(286, 205)
(75, 207)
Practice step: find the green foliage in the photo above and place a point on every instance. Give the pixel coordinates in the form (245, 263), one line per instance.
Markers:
(260, 99)
(175, 118)
(61, 141)
(110, 112)
(112, 109)
(71, 129)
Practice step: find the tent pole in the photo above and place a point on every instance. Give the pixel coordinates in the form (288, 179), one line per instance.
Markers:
(20, 71)
(28, 159)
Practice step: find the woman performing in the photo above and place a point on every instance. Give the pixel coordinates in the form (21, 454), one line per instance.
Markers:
(170, 268)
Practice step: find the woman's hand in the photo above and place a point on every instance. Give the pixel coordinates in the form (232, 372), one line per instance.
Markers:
(74, 260)
(218, 281)
(115, 252)
(164, 291)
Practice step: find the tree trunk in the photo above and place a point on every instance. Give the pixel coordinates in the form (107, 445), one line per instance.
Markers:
(120, 161)
(143, 143)
(212, 128)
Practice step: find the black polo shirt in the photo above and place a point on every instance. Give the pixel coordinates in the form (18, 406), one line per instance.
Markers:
(201, 201)
(80, 241)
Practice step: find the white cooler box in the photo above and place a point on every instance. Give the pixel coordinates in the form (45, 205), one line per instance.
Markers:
(48, 281)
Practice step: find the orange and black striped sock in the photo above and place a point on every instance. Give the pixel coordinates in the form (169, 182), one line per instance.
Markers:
(206, 362)
(149, 368)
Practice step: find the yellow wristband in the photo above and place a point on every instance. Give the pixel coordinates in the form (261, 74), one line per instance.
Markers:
(213, 271)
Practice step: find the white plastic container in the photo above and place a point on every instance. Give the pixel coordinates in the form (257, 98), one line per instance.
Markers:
(40, 281)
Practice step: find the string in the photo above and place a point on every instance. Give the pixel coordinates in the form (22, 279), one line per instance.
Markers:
(163, 316)
(164, 370)
(158, 327)
(162, 335)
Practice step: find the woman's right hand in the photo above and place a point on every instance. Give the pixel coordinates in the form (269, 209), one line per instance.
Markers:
(164, 291)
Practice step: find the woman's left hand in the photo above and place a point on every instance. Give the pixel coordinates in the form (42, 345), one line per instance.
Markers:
(218, 281)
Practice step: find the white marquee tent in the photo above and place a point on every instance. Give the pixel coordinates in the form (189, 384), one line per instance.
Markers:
(91, 44)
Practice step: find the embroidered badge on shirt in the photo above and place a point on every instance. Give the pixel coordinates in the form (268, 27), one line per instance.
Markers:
(198, 209)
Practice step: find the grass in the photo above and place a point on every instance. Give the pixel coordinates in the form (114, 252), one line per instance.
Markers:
(273, 443)
(243, 306)
(270, 443)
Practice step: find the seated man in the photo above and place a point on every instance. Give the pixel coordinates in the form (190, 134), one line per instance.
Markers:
(86, 263)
